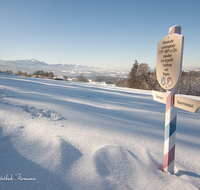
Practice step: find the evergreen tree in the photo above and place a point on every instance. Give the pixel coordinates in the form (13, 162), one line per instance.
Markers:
(97, 79)
(142, 74)
(132, 80)
(50, 75)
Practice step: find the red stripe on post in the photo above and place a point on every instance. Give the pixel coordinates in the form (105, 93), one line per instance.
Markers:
(170, 98)
(168, 102)
(169, 157)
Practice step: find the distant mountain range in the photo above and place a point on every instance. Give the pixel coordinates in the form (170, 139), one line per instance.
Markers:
(187, 69)
(70, 70)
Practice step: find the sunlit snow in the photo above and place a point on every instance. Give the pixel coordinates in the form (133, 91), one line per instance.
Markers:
(69, 135)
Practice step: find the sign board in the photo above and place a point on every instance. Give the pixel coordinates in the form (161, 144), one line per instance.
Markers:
(159, 96)
(169, 60)
(187, 104)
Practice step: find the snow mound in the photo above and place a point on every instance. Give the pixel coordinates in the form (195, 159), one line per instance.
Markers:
(69, 155)
(113, 160)
(53, 153)
(119, 168)
(53, 116)
(52, 156)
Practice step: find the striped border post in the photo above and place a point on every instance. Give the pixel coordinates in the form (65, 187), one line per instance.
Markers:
(170, 132)
(170, 122)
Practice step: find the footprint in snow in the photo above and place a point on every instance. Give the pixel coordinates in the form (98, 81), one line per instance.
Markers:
(42, 113)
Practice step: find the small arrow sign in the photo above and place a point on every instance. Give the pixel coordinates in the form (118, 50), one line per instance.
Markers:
(159, 96)
(187, 104)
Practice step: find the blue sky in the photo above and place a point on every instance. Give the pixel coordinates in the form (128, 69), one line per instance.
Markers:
(110, 34)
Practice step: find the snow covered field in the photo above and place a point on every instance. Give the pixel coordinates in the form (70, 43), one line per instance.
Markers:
(68, 135)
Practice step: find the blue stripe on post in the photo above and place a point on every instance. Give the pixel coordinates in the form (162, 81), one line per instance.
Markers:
(170, 128)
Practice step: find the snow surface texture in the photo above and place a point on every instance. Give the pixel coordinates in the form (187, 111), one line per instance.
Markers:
(69, 135)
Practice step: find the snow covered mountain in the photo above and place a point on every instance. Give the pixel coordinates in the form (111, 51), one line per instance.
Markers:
(70, 70)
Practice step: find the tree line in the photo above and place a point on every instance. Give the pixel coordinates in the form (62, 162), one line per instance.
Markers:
(106, 79)
(141, 77)
(36, 74)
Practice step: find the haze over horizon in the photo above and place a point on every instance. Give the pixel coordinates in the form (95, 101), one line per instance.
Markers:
(107, 34)
(184, 68)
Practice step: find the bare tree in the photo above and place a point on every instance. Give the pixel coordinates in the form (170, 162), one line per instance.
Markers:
(81, 78)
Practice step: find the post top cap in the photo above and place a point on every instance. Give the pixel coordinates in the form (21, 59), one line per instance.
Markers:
(176, 29)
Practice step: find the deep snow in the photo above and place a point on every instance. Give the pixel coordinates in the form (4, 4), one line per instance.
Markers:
(68, 135)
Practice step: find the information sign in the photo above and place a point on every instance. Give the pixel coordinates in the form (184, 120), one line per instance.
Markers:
(169, 60)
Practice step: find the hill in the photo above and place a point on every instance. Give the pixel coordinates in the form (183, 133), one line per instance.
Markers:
(69, 135)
